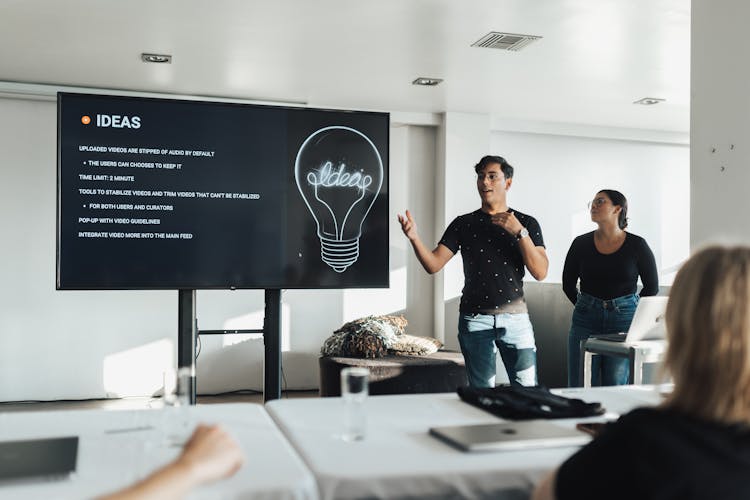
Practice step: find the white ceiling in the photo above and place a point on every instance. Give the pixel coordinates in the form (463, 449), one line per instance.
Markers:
(596, 57)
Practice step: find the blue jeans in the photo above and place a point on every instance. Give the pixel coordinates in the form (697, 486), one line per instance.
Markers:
(482, 335)
(593, 316)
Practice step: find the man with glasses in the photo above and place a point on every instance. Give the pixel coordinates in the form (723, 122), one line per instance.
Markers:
(497, 245)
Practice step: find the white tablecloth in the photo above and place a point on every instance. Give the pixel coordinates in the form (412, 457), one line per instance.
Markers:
(113, 452)
(399, 459)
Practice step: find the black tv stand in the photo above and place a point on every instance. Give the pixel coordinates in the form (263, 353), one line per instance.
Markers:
(188, 331)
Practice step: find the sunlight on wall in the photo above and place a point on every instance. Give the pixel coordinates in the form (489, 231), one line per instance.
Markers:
(137, 371)
(254, 320)
(374, 301)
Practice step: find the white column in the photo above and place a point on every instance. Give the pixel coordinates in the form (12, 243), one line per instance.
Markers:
(719, 122)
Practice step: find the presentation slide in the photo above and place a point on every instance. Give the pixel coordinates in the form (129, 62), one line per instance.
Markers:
(168, 194)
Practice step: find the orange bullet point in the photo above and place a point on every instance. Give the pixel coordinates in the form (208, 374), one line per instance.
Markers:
(85, 119)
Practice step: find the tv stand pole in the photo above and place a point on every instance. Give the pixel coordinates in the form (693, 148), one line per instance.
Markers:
(272, 346)
(186, 329)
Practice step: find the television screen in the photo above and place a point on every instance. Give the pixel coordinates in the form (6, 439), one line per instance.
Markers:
(178, 194)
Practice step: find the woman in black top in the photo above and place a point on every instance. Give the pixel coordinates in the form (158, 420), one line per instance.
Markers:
(696, 444)
(608, 262)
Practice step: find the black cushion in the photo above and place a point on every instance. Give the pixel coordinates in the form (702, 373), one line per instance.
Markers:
(443, 371)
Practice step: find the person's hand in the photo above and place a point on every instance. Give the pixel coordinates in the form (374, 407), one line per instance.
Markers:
(211, 454)
(208, 456)
(508, 221)
(408, 226)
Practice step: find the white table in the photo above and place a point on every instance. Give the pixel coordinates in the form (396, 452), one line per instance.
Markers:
(113, 453)
(399, 459)
(637, 353)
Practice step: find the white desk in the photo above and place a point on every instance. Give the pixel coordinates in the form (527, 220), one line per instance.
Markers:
(399, 459)
(110, 460)
(637, 353)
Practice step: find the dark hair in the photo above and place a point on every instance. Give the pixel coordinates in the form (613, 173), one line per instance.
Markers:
(618, 199)
(489, 160)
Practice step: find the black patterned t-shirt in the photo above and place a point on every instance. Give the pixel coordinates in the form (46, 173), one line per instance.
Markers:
(493, 264)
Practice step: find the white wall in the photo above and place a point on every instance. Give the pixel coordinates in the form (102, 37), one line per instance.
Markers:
(719, 122)
(70, 344)
(556, 176)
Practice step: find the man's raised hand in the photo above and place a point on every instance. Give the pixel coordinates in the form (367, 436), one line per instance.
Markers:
(408, 226)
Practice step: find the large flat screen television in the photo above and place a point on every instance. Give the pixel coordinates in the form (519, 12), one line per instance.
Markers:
(180, 194)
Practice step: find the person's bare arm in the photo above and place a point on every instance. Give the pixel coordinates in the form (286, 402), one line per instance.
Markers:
(545, 490)
(534, 257)
(432, 260)
(210, 454)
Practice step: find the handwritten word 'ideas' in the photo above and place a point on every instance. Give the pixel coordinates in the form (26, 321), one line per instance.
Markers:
(328, 177)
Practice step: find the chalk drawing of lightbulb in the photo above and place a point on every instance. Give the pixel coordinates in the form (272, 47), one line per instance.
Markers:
(339, 174)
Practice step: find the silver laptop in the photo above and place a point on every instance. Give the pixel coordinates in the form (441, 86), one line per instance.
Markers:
(510, 436)
(38, 459)
(647, 324)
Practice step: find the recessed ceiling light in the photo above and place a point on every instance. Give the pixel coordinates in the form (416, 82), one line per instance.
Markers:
(649, 101)
(429, 82)
(156, 58)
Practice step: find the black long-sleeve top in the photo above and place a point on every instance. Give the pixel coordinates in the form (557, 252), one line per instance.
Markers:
(612, 275)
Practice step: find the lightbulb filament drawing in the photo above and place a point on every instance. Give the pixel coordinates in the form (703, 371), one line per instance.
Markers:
(339, 174)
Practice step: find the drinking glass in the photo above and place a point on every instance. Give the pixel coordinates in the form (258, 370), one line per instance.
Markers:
(354, 390)
(176, 419)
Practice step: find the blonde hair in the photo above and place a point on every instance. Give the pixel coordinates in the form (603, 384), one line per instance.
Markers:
(708, 327)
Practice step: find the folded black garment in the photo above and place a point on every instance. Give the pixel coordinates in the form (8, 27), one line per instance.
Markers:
(517, 402)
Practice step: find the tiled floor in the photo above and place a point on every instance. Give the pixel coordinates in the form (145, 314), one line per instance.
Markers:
(144, 402)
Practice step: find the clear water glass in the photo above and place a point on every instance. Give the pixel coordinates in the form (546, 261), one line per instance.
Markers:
(176, 419)
(354, 391)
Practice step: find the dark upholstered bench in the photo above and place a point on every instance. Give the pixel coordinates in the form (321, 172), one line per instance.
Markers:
(443, 371)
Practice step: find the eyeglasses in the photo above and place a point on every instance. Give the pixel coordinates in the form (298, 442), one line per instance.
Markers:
(492, 177)
(597, 202)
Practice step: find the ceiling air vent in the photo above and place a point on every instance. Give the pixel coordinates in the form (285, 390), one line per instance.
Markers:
(504, 41)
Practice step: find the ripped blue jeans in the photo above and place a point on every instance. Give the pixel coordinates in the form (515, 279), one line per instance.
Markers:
(482, 335)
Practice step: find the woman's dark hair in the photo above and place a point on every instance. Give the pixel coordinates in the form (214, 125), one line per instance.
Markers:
(489, 160)
(618, 199)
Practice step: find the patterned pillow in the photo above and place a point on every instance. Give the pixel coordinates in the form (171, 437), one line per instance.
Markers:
(374, 337)
(411, 345)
